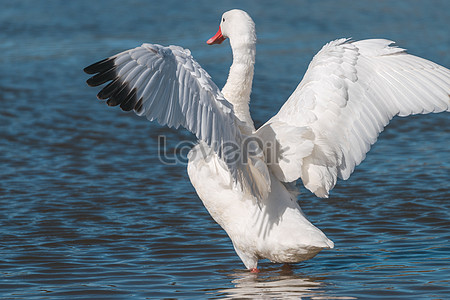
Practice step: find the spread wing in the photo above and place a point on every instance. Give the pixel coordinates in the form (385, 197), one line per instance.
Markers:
(349, 93)
(166, 84)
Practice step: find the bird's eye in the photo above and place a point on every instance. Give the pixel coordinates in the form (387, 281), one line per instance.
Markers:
(223, 20)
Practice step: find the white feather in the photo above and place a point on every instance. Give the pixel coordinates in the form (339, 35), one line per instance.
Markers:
(354, 89)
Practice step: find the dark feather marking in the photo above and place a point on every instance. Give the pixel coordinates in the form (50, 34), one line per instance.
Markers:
(112, 101)
(129, 102)
(117, 91)
(110, 89)
(138, 106)
(100, 66)
(101, 78)
(119, 96)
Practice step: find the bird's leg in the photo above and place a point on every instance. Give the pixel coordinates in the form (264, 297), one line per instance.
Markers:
(254, 270)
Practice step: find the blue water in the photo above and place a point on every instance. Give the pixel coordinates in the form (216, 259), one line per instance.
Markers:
(87, 211)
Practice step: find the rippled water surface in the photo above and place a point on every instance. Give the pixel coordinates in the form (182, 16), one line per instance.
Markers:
(88, 211)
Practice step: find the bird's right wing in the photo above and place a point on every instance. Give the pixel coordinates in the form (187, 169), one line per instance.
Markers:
(166, 84)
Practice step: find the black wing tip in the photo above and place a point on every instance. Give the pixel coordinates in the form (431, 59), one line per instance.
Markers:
(109, 89)
(120, 93)
(100, 66)
(102, 77)
(139, 106)
(104, 70)
(129, 101)
(116, 92)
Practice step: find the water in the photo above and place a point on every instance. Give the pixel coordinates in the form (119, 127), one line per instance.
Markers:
(87, 211)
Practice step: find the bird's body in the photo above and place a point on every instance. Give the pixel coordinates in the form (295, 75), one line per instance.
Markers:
(244, 176)
(274, 228)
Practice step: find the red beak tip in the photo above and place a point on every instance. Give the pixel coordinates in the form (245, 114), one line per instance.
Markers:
(217, 38)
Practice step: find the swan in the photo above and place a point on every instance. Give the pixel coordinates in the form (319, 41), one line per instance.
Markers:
(244, 177)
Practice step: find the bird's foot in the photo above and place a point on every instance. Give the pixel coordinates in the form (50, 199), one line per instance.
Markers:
(254, 270)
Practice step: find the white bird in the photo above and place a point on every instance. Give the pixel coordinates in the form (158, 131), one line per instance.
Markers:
(243, 176)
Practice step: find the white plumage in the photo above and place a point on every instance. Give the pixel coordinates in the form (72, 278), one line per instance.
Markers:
(348, 95)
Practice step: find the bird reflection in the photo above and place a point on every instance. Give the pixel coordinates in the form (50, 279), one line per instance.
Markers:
(274, 282)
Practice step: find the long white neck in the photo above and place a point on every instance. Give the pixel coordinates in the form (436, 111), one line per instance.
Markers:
(239, 84)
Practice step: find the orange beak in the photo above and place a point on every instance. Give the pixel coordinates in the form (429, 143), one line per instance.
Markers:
(218, 38)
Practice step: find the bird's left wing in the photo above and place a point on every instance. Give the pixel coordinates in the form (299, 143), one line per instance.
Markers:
(349, 93)
(166, 84)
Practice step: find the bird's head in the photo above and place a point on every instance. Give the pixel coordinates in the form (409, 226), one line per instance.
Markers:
(236, 25)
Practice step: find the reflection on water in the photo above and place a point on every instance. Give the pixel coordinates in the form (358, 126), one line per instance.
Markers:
(276, 282)
(249, 286)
